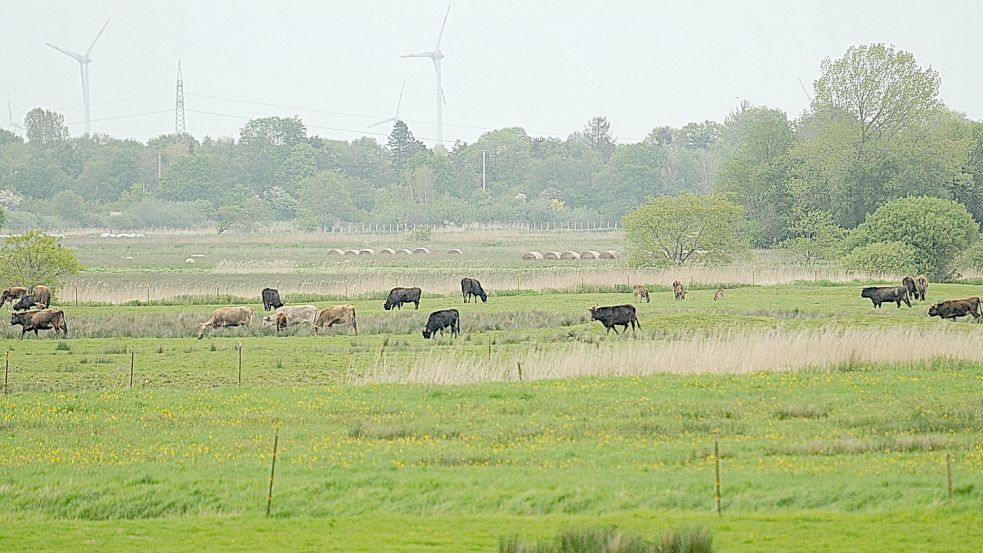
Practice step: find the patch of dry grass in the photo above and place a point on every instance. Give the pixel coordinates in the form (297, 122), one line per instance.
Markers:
(729, 353)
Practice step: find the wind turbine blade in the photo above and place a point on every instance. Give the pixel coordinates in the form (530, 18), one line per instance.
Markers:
(97, 37)
(400, 100)
(442, 95)
(74, 55)
(380, 123)
(419, 55)
(441, 34)
(806, 92)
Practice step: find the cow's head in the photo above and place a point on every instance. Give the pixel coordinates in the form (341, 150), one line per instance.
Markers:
(427, 333)
(17, 318)
(933, 310)
(866, 292)
(269, 320)
(484, 296)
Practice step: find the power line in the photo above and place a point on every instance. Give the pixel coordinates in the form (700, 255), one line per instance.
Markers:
(127, 116)
(321, 127)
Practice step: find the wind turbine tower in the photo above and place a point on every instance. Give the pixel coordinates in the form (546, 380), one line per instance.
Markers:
(179, 103)
(14, 125)
(436, 55)
(84, 60)
(395, 117)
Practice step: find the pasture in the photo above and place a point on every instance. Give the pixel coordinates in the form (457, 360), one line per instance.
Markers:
(834, 420)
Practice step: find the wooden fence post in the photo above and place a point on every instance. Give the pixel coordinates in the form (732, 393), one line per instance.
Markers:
(6, 372)
(269, 494)
(132, 357)
(518, 364)
(239, 379)
(948, 470)
(716, 462)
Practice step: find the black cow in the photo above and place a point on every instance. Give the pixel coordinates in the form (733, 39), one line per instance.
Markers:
(886, 294)
(399, 296)
(45, 319)
(439, 320)
(952, 309)
(271, 299)
(470, 287)
(611, 316)
(28, 302)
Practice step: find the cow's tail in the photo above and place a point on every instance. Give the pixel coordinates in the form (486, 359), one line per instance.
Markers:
(354, 323)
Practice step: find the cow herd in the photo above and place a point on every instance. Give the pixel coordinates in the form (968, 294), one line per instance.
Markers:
(31, 310)
(917, 289)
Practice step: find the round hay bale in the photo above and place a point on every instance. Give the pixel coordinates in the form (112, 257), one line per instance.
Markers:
(387, 251)
(336, 251)
(351, 252)
(609, 254)
(569, 255)
(403, 251)
(551, 256)
(455, 251)
(421, 251)
(366, 251)
(532, 256)
(590, 254)
(189, 260)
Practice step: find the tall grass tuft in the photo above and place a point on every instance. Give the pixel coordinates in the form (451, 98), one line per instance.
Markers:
(612, 540)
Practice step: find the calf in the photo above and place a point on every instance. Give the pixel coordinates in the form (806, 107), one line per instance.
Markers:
(44, 319)
(718, 295)
(336, 314)
(678, 290)
(271, 299)
(227, 317)
(623, 315)
(641, 292)
(471, 288)
(952, 309)
(439, 320)
(399, 296)
(886, 294)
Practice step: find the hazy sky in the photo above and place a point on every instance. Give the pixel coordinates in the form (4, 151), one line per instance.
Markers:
(545, 66)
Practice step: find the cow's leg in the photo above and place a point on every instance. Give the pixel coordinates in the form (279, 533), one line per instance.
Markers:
(907, 301)
(417, 303)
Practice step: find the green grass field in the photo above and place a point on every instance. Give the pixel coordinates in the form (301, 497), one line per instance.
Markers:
(847, 454)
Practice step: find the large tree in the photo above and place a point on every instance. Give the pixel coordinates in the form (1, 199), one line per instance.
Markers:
(45, 127)
(402, 145)
(36, 258)
(597, 133)
(683, 229)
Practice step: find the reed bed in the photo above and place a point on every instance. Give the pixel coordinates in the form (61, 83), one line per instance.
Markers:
(729, 353)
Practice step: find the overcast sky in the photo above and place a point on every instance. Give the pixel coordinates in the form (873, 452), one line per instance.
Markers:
(545, 66)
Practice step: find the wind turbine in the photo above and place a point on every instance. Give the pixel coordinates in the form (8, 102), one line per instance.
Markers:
(395, 117)
(84, 61)
(806, 92)
(10, 113)
(436, 55)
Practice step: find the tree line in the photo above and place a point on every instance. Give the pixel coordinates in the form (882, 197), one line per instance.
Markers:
(875, 131)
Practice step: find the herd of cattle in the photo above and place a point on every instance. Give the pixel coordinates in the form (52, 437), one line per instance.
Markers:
(32, 311)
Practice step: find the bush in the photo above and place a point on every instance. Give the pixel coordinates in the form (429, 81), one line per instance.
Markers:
(611, 540)
(893, 258)
(938, 230)
(421, 234)
(972, 258)
(154, 213)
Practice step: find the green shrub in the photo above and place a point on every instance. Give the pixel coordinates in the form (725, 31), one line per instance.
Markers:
(972, 258)
(421, 234)
(895, 258)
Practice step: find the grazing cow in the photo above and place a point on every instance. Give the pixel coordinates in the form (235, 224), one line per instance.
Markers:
(399, 296)
(43, 296)
(296, 315)
(921, 287)
(336, 314)
(11, 294)
(44, 319)
(641, 292)
(28, 302)
(718, 295)
(271, 299)
(623, 315)
(886, 294)
(470, 287)
(909, 284)
(956, 308)
(226, 317)
(679, 290)
(280, 319)
(439, 320)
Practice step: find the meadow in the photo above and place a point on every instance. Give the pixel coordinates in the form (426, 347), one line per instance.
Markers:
(834, 420)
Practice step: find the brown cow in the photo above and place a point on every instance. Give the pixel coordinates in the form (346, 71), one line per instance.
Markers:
(333, 315)
(679, 290)
(280, 318)
(718, 295)
(641, 292)
(921, 287)
(953, 309)
(43, 319)
(226, 317)
(42, 296)
(12, 294)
